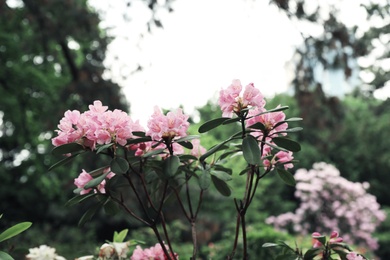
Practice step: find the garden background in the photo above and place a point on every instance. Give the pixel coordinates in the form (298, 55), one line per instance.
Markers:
(43, 74)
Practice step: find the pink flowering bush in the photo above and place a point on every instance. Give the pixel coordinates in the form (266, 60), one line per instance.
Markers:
(165, 160)
(330, 202)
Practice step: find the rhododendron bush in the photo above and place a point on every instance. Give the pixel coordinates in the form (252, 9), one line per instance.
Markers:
(329, 202)
(165, 160)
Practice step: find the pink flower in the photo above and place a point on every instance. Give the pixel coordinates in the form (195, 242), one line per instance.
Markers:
(334, 237)
(69, 129)
(173, 125)
(96, 126)
(153, 253)
(286, 158)
(197, 149)
(230, 100)
(82, 180)
(253, 97)
(269, 120)
(85, 177)
(354, 256)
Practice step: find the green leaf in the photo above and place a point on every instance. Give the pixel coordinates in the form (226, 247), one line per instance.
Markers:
(171, 165)
(98, 172)
(290, 130)
(67, 148)
(139, 133)
(187, 145)
(211, 124)
(79, 199)
(187, 138)
(153, 152)
(287, 144)
(96, 181)
(257, 125)
(120, 237)
(119, 165)
(286, 176)
(218, 167)
(139, 140)
(276, 109)
(187, 157)
(321, 239)
(293, 119)
(221, 186)
(269, 245)
(87, 216)
(311, 253)
(63, 161)
(111, 208)
(5, 256)
(221, 175)
(251, 150)
(14, 230)
(102, 147)
(231, 120)
(214, 149)
(204, 180)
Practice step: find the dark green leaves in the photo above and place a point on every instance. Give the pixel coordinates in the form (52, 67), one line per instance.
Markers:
(204, 180)
(119, 165)
(287, 144)
(311, 253)
(221, 186)
(251, 150)
(286, 176)
(171, 165)
(212, 124)
(95, 182)
(63, 161)
(67, 148)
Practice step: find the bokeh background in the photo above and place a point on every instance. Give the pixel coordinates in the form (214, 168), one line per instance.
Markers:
(328, 61)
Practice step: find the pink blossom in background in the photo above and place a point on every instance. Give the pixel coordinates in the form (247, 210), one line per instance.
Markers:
(230, 100)
(330, 202)
(197, 149)
(354, 256)
(155, 253)
(172, 125)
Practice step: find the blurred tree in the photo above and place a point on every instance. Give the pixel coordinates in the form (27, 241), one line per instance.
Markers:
(334, 44)
(48, 66)
(51, 60)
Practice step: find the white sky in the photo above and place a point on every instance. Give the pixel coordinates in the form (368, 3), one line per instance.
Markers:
(203, 46)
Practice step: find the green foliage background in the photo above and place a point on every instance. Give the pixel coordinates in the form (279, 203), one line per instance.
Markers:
(41, 76)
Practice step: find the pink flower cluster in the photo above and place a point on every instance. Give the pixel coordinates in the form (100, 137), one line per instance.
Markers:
(85, 177)
(274, 126)
(153, 253)
(172, 125)
(95, 126)
(230, 100)
(330, 202)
